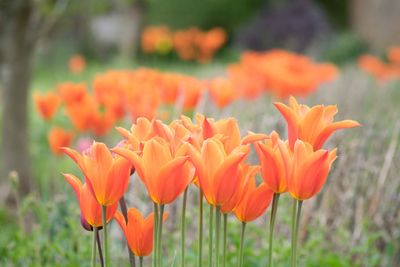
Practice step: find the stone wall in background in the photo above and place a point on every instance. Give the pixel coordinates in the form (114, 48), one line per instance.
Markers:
(377, 22)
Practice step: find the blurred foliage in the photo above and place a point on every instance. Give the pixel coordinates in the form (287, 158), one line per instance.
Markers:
(343, 47)
(204, 14)
(337, 11)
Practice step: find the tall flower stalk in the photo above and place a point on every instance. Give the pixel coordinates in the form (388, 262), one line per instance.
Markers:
(295, 229)
(224, 244)
(217, 233)
(274, 210)
(94, 247)
(240, 256)
(210, 235)
(105, 241)
(183, 227)
(200, 256)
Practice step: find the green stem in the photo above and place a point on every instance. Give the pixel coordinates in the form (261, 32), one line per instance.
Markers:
(94, 247)
(240, 257)
(159, 241)
(99, 248)
(294, 209)
(155, 235)
(299, 204)
(140, 261)
(295, 229)
(225, 238)
(274, 210)
(210, 233)
(183, 227)
(105, 243)
(200, 256)
(217, 233)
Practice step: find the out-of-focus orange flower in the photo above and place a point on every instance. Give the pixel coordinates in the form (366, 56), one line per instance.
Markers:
(218, 172)
(249, 85)
(46, 104)
(165, 175)
(222, 91)
(375, 67)
(102, 122)
(246, 172)
(77, 64)
(90, 208)
(272, 162)
(138, 231)
(157, 39)
(82, 113)
(254, 201)
(107, 176)
(308, 170)
(313, 125)
(394, 55)
(284, 73)
(72, 93)
(59, 138)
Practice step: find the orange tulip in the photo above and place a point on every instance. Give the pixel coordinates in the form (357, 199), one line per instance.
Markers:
(394, 55)
(308, 170)
(246, 173)
(90, 208)
(72, 93)
(218, 172)
(222, 91)
(165, 175)
(254, 201)
(76, 64)
(58, 138)
(273, 163)
(107, 176)
(46, 104)
(138, 231)
(313, 125)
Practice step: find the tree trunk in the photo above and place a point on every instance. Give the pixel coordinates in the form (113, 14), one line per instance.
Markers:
(16, 55)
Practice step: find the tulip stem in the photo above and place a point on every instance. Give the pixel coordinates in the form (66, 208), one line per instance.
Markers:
(210, 233)
(155, 236)
(217, 233)
(140, 261)
(240, 257)
(274, 210)
(94, 247)
(183, 227)
(224, 242)
(100, 250)
(200, 256)
(124, 210)
(295, 229)
(159, 242)
(105, 243)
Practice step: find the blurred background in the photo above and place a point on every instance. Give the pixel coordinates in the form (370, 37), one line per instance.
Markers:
(355, 221)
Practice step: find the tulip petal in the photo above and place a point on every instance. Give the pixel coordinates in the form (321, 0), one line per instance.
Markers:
(330, 129)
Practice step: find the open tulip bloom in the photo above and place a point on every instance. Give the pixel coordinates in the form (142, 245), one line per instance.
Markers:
(212, 155)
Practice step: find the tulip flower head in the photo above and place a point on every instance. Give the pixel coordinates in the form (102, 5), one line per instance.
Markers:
(313, 125)
(272, 162)
(308, 170)
(254, 201)
(138, 231)
(165, 175)
(90, 208)
(246, 172)
(107, 175)
(218, 172)
(46, 104)
(58, 138)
